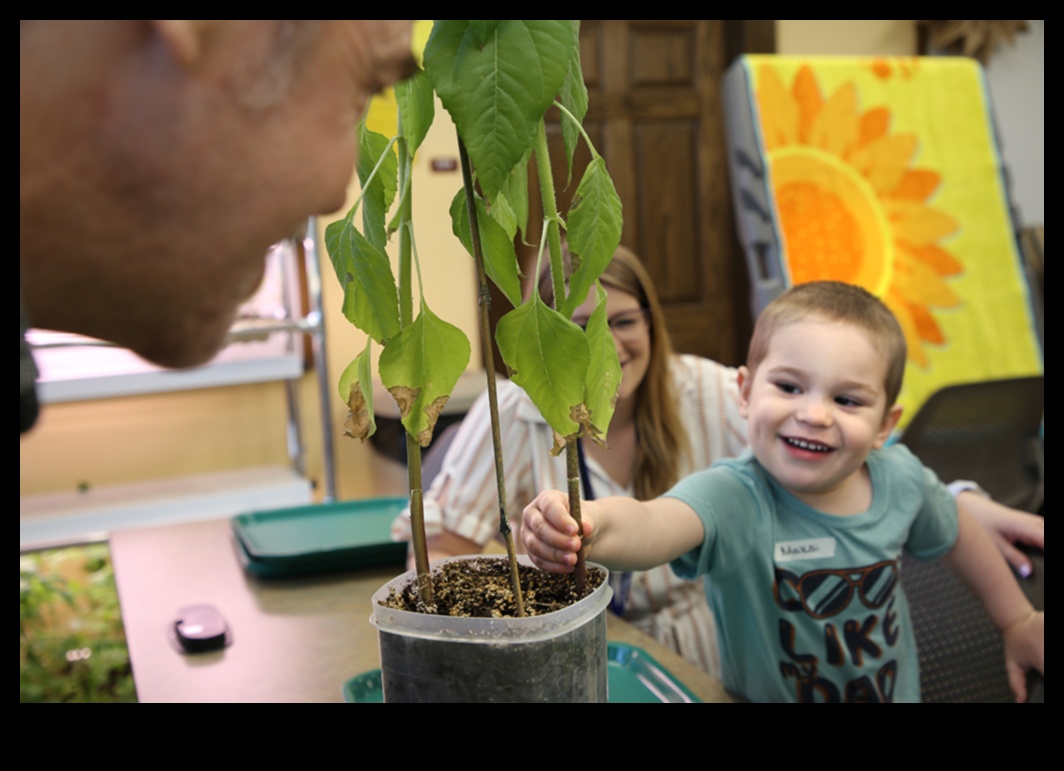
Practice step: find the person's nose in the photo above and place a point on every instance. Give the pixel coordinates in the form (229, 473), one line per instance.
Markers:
(815, 412)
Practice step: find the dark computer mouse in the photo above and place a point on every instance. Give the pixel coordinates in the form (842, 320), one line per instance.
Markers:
(199, 629)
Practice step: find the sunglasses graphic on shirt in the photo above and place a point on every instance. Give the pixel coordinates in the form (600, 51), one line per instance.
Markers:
(826, 593)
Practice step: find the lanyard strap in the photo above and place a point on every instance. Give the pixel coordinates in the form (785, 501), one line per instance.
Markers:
(621, 583)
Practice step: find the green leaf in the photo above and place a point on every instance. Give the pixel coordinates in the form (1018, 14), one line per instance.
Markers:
(500, 259)
(417, 106)
(483, 29)
(497, 90)
(594, 231)
(420, 367)
(356, 389)
(503, 213)
(371, 301)
(378, 191)
(548, 356)
(573, 97)
(515, 190)
(604, 373)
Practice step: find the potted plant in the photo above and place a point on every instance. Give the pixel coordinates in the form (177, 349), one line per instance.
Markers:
(497, 79)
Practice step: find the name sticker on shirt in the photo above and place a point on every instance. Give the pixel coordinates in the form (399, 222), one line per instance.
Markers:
(814, 549)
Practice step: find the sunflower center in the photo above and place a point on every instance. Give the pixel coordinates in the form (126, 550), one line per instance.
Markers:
(833, 226)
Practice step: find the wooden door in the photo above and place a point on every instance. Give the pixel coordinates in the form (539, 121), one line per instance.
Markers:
(655, 115)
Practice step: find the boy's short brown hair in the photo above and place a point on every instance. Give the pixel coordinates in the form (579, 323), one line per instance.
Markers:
(835, 301)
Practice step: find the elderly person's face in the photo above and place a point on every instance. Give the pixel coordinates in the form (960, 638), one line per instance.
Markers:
(200, 156)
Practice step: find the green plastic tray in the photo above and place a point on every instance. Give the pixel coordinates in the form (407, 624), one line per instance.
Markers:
(634, 677)
(313, 539)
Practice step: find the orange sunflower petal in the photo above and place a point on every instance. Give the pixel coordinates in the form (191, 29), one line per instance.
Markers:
(915, 224)
(884, 161)
(918, 283)
(874, 125)
(809, 100)
(835, 128)
(909, 328)
(881, 69)
(779, 113)
(926, 326)
(918, 184)
(941, 261)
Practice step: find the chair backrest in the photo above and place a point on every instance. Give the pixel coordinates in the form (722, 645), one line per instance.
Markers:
(961, 655)
(989, 432)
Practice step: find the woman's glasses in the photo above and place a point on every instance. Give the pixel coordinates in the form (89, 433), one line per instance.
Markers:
(626, 325)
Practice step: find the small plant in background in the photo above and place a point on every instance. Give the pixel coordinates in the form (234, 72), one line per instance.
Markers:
(72, 646)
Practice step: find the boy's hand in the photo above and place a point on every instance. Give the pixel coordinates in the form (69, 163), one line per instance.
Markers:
(549, 533)
(1024, 650)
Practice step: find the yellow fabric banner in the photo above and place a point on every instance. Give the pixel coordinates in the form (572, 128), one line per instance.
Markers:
(885, 173)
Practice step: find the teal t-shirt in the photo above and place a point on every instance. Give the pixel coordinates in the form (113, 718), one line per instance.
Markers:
(809, 606)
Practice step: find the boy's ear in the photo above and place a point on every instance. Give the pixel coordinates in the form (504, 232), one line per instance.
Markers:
(745, 382)
(890, 420)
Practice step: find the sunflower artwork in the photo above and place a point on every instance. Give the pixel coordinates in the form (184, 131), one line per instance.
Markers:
(886, 174)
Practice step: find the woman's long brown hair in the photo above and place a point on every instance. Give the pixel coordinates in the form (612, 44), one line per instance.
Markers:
(663, 443)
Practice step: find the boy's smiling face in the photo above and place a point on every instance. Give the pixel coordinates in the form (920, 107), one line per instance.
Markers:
(816, 405)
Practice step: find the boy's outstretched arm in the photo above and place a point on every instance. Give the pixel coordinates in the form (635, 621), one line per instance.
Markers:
(975, 561)
(620, 533)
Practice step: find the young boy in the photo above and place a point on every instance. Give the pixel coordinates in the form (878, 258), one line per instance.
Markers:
(800, 540)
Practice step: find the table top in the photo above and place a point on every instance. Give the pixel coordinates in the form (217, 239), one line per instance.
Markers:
(293, 640)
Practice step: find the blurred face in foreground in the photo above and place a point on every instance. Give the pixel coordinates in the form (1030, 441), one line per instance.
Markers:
(160, 159)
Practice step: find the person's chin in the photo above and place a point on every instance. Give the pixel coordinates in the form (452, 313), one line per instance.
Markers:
(182, 346)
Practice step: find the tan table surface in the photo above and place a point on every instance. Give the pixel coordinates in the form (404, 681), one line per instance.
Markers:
(294, 640)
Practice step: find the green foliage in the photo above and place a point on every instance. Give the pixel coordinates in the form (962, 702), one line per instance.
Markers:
(604, 371)
(420, 367)
(500, 259)
(71, 641)
(594, 231)
(548, 356)
(573, 97)
(514, 194)
(371, 301)
(417, 106)
(378, 172)
(497, 79)
(356, 389)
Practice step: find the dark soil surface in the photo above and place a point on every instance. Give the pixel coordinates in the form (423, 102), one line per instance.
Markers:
(480, 588)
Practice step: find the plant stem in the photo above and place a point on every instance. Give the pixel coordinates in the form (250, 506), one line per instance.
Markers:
(489, 366)
(413, 449)
(417, 519)
(557, 270)
(406, 209)
(372, 175)
(587, 140)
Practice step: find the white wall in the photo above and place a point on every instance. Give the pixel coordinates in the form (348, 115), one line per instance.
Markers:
(1016, 76)
(846, 37)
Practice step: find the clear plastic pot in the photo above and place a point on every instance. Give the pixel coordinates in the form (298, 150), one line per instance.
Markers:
(557, 657)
